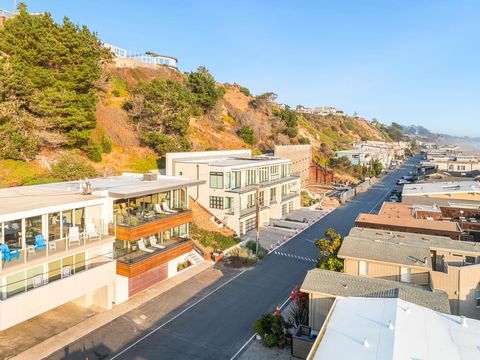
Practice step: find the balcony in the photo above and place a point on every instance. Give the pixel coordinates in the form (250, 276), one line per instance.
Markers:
(290, 195)
(149, 225)
(54, 249)
(273, 182)
(139, 262)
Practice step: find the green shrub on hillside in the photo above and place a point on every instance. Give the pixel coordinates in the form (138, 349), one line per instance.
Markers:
(94, 151)
(49, 71)
(205, 91)
(247, 134)
(106, 144)
(245, 91)
(72, 167)
(213, 239)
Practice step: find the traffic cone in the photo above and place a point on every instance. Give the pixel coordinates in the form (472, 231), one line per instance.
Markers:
(271, 246)
(278, 242)
(284, 239)
(277, 311)
(292, 296)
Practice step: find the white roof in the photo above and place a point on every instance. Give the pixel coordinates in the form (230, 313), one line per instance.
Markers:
(444, 187)
(359, 329)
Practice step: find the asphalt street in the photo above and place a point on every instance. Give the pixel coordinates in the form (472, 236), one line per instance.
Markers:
(216, 322)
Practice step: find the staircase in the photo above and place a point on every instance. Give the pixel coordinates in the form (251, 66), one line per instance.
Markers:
(194, 258)
(206, 220)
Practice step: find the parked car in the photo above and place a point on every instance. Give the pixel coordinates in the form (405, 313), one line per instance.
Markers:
(394, 198)
(340, 187)
(402, 182)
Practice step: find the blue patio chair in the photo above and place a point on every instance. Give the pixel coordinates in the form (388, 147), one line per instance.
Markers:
(9, 254)
(40, 242)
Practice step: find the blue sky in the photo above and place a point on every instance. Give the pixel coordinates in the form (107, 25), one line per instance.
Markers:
(410, 61)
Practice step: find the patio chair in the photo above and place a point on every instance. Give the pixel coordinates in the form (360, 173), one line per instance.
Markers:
(40, 242)
(91, 232)
(167, 209)
(141, 246)
(73, 235)
(158, 209)
(9, 254)
(153, 242)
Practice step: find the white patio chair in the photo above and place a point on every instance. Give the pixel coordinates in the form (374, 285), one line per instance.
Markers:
(66, 271)
(37, 281)
(153, 242)
(158, 209)
(141, 246)
(167, 209)
(91, 232)
(73, 235)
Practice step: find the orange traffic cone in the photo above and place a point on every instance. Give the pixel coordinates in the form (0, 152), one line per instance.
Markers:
(277, 311)
(292, 296)
(271, 246)
(278, 242)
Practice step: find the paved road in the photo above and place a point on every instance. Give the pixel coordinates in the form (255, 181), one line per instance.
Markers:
(216, 322)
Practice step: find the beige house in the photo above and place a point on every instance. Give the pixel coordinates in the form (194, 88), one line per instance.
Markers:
(428, 260)
(323, 287)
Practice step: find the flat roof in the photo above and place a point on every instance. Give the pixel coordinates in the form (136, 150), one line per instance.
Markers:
(443, 187)
(379, 328)
(393, 209)
(340, 284)
(235, 161)
(404, 239)
(24, 198)
(408, 222)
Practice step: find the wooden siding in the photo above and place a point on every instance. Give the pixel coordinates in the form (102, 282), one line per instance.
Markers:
(147, 279)
(319, 307)
(388, 271)
(134, 233)
(156, 259)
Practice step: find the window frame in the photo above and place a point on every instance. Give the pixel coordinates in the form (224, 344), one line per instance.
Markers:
(216, 180)
(216, 202)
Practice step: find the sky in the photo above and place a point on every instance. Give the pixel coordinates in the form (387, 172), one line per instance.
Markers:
(411, 61)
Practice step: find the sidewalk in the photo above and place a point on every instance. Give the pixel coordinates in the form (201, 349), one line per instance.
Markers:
(62, 339)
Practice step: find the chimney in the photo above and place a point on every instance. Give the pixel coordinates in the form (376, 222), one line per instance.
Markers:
(149, 177)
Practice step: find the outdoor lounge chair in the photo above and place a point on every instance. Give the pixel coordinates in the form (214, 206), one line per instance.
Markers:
(167, 209)
(153, 242)
(9, 254)
(158, 209)
(73, 236)
(40, 242)
(141, 246)
(91, 232)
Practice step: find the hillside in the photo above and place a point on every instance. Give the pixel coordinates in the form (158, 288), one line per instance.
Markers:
(114, 119)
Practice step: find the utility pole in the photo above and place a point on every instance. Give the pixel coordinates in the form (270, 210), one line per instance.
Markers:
(257, 218)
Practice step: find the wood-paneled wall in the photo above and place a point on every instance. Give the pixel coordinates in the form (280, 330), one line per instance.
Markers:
(134, 233)
(156, 259)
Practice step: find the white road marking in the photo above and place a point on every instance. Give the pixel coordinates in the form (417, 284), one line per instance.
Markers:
(176, 316)
(304, 258)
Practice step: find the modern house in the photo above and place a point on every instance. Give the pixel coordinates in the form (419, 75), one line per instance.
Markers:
(442, 193)
(300, 157)
(230, 183)
(122, 57)
(436, 261)
(91, 242)
(390, 329)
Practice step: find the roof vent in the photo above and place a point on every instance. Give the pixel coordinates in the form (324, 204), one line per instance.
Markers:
(365, 343)
(463, 321)
(407, 310)
(390, 325)
(149, 177)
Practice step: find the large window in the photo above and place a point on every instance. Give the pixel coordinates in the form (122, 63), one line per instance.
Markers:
(263, 174)
(54, 226)
(216, 202)
(362, 268)
(251, 178)
(273, 195)
(250, 200)
(33, 227)
(261, 198)
(229, 205)
(216, 180)
(80, 219)
(405, 274)
(236, 179)
(180, 198)
(12, 233)
(67, 221)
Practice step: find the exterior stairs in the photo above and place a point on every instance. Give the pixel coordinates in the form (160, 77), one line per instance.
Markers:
(195, 258)
(206, 220)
